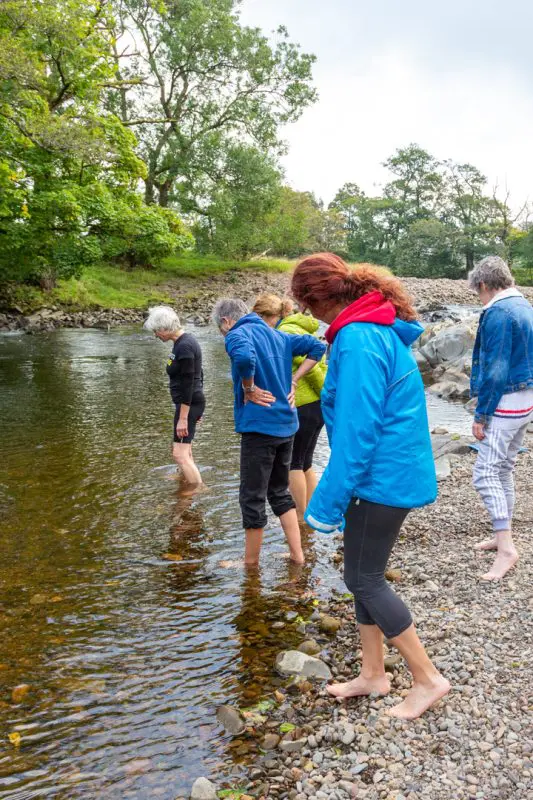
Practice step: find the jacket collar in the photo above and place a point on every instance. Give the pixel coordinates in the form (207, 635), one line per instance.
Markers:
(503, 295)
(371, 307)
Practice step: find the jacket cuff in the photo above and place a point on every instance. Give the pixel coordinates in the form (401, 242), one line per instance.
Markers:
(483, 418)
(323, 527)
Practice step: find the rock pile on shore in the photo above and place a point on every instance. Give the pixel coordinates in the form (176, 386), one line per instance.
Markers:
(195, 297)
(444, 353)
(477, 744)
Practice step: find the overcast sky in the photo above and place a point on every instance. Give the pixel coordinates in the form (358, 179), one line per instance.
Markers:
(454, 76)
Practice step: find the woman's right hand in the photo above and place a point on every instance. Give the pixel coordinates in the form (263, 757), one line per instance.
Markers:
(261, 397)
(182, 428)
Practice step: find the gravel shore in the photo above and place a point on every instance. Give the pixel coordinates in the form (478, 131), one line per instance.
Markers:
(478, 742)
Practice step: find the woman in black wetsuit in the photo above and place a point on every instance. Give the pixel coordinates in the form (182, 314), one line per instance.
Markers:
(186, 380)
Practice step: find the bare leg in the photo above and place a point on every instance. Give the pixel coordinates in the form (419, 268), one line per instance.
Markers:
(506, 557)
(372, 677)
(428, 684)
(311, 481)
(182, 454)
(298, 490)
(291, 529)
(252, 549)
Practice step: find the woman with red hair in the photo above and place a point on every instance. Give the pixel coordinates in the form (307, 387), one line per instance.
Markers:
(381, 464)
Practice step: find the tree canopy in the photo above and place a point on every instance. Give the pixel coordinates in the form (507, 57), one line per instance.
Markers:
(133, 129)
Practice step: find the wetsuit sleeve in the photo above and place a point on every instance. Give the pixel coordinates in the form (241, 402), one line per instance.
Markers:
(242, 353)
(186, 378)
(181, 370)
(355, 433)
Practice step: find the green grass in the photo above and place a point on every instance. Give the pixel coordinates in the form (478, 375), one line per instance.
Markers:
(194, 265)
(106, 286)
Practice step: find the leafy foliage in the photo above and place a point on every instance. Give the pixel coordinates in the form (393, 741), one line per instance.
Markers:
(432, 219)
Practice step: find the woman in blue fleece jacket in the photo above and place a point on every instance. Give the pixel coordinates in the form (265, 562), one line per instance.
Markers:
(265, 416)
(381, 463)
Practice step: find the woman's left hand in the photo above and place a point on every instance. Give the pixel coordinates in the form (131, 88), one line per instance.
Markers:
(182, 428)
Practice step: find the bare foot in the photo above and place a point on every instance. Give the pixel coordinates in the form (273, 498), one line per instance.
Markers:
(360, 686)
(420, 698)
(487, 544)
(503, 562)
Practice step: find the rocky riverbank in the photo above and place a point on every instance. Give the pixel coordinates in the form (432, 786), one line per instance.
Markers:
(477, 743)
(194, 299)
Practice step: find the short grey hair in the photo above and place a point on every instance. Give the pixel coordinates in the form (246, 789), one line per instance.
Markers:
(229, 308)
(162, 318)
(492, 271)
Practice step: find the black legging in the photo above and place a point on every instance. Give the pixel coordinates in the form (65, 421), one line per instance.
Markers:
(370, 533)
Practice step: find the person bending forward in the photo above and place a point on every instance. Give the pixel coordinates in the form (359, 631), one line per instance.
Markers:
(186, 383)
(261, 364)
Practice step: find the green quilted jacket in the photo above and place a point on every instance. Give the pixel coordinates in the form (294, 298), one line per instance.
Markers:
(310, 386)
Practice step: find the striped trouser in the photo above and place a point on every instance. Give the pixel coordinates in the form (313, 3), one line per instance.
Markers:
(493, 470)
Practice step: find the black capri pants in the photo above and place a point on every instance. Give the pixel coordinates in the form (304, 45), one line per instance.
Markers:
(265, 462)
(369, 536)
(311, 423)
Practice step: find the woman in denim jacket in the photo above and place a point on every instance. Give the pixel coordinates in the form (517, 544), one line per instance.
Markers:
(502, 381)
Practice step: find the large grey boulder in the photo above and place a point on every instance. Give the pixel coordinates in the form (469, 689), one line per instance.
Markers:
(293, 662)
(449, 345)
(423, 364)
(447, 444)
(203, 789)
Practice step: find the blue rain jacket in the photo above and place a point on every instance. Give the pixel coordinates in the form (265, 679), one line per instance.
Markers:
(374, 408)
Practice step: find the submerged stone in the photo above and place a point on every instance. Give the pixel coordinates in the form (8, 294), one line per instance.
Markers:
(293, 662)
(230, 718)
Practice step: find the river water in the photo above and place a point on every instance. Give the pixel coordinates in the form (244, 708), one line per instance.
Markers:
(127, 653)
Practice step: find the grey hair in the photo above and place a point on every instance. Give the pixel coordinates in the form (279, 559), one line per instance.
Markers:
(162, 318)
(493, 272)
(229, 308)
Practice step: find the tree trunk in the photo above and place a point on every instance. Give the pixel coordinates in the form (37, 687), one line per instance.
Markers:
(149, 197)
(469, 253)
(164, 190)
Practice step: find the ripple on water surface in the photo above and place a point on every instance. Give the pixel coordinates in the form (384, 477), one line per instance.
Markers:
(127, 653)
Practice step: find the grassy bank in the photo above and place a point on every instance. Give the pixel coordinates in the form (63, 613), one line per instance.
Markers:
(106, 286)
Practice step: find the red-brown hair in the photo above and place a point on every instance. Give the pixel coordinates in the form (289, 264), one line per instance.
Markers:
(325, 277)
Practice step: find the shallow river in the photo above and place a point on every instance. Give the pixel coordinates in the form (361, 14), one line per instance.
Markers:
(127, 653)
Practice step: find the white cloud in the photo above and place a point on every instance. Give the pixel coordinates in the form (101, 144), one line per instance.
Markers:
(380, 92)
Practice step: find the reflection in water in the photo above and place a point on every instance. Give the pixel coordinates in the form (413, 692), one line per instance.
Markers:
(113, 605)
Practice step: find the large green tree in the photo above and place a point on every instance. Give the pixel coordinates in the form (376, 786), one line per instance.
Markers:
(470, 210)
(195, 83)
(237, 199)
(68, 167)
(370, 224)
